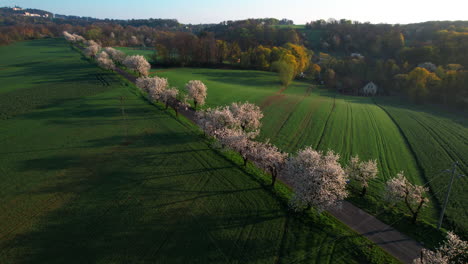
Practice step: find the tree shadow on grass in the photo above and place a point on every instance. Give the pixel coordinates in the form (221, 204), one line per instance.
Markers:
(244, 78)
(120, 214)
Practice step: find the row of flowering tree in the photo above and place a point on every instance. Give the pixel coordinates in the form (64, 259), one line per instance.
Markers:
(108, 57)
(317, 178)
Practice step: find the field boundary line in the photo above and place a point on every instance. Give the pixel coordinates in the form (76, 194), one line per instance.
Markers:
(326, 122)
(413, 153)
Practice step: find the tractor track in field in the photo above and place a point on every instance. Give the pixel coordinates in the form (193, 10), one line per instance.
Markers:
(448, 151)
(293, 105)
(407, 143)
(270, 100)
(326, 122)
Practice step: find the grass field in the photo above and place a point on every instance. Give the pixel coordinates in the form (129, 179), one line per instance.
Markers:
(97, 174)
(147, 52)
(304, 115)
(438, 139)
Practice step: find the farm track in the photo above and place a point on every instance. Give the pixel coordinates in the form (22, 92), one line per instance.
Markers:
(289, 109)
(326, 123)
(406, 140)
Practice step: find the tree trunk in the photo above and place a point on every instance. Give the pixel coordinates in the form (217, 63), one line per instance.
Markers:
(176, 112)
(167, 105)
(415, 214)
(194, 104)
(273, 179)
(364, 191)
(245, 161)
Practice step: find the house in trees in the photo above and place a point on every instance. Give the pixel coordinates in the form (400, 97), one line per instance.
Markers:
(370, 89)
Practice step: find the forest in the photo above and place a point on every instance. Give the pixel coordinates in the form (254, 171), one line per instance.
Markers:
(424, 62)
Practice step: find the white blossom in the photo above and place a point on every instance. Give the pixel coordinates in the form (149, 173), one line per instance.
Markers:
(213, 119)
(248, 114)
(69, 37)
(169, 96)
(137, 63)
(116, 55)
(104, 61)
(238, 141)
(317, 179)
(400, 189)
(153, 86)
(453, 250)
(196, 91)
(92, 49)
(269, 158)
(362, 171)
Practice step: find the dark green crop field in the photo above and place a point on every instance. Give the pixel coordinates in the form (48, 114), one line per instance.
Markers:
(90, 172)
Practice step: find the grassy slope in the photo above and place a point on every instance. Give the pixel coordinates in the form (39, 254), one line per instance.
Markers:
(302, 115)
(298, 117)
(76, 188)
(438, 139)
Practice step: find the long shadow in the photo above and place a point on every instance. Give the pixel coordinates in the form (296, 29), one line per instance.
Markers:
(118, 218)
(256, 79)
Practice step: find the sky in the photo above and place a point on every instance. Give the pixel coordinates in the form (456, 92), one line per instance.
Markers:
(215, 11)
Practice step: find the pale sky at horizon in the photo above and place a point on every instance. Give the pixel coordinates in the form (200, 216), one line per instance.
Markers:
(215, 11)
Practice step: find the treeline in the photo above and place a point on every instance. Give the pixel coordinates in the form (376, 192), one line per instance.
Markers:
(425, 62)
(254, 32)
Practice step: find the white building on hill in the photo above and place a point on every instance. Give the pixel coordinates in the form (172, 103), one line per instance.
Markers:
(370, 89)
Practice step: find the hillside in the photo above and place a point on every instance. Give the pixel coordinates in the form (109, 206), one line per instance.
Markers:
(93, 173)
(306, 114)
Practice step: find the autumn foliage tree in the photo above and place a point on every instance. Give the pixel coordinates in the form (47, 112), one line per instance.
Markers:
(317, 179)
(399, 189)
(285, 72)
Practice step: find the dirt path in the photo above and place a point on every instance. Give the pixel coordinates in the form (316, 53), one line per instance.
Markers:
(187, 112)
(397, 244)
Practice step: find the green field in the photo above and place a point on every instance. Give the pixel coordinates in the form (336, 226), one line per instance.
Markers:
(147, 52)
(305, 115)
(438, 139)
(93, 173)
